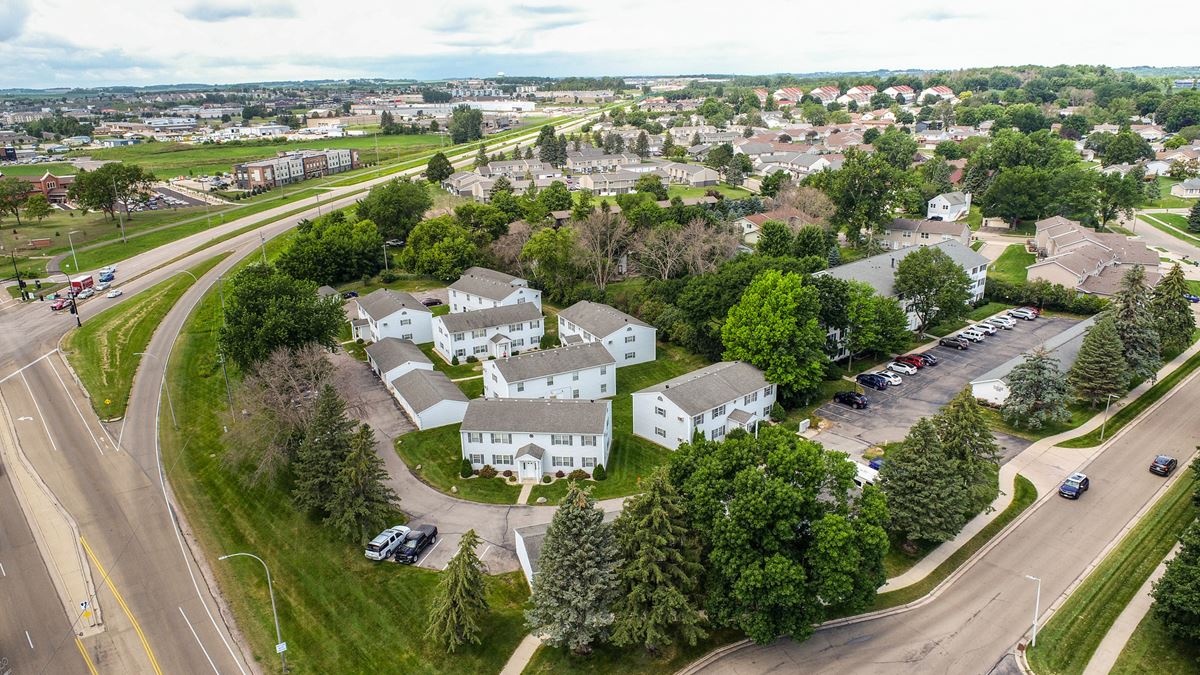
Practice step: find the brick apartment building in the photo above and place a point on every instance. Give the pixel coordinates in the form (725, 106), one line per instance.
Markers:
(293, 167)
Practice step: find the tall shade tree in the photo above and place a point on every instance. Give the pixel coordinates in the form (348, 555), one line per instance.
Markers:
(439, 247)
(873, 323)
(1037, 392)
(266, 309)
(552, 254)
(934, 287)
(775, 239)
(811, 240)
(787, 542)
(361, 500)
(926, 493)
(103, 188)
(395, 207)
(1118, 195)
(659, 571)
(14, 191)
(459, 604)
(1173, 317)
(1176, 592)
(327, 443)
(333, 249)
(37, 207)
(775, 327)
(602, 239)
(439, 168)
(865, 191)
(1099, 370)
(1133, 317)
(573, 591)
(466, 124)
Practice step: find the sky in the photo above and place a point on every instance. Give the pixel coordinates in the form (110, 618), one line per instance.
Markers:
(58, 43)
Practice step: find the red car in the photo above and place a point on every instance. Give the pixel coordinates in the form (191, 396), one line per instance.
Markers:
(61, 303)
(911, 359)
(1037, 311)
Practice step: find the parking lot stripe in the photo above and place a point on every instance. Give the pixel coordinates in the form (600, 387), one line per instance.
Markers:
(426, 556)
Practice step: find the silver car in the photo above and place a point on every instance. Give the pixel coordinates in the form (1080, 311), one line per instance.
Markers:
(892, 378)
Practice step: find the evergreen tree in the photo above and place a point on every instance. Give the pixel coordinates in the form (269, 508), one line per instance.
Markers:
(775, 239)
(571, 603)
(668, 144)
(1037, 392)
(362, 500)
(561, 156)
(459, 603)
(1193, 220)
(659, 572)
(322, 452)
(548, 150)
(481, 157)
(696, 139)
(964, 431)
(925, 490)
(528, 152)
(1176, 593)
(1134, 322)
(642, 146)
(1099, 369)
(1173, 317)
(835, 256)
(439, 168)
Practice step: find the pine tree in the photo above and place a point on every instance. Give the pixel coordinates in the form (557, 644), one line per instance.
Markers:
(459, 602)
(439, 168)
(1193, 220)
(481, 157)
(571, 603)
(1099, 369)
(561, 156)
(668, 145)
(642, 147)
(324, 448)
(528, 152)
(964, 431)
(926, 493)
(1173, 317)
(362, 499)
(659, 570)
(548, 151)
(1037, 392)
(696, 139)
(1134, 322)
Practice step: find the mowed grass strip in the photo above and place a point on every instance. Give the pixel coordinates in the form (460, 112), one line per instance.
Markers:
(1066, 643)
(1151, 650)
(338, 611)
(1011, 264)
(102, 350)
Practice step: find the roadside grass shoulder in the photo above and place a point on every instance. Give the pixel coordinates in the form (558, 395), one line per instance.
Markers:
(606, 659)
(1151, 650)
(1178, 228)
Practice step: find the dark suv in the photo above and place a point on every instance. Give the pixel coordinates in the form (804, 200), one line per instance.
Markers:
(1163, 465)
(851, 398)
(929, 359)
(955, 342)
(420, 538)
(872, 381)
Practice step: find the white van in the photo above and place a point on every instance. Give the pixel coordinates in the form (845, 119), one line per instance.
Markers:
(865, 475)
(382, 546)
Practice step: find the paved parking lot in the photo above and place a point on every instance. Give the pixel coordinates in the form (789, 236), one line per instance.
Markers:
(895, 409)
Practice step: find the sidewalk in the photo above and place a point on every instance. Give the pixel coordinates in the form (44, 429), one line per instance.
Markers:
(1106, 654)
(521, 656)
(1044, 464)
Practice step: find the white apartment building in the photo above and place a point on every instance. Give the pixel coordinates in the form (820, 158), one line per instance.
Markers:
(583, 371)
(482, 288)
(495, 332)
(387, 313)
(534, 437)
(713, 400)
(627, 338)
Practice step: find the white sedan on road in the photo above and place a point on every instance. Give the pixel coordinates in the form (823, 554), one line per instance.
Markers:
(114, 293)
(897, 367)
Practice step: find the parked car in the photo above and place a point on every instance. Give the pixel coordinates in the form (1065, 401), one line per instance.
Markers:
(892, 378)
(349, 294)
(972, 335)
(419, 539)
(872, 381)
(431, 302)
(1022, 313)
(984, 327)
(926, 357)
(877, 463)
(955, 342)
(1074, 486)
(864, 475)
(1192, 298)
(899, 367)
(1163, 465)
(851, 398)
(914, 360)
(395, 242)
(385, 543)
(1036, 311)
(114, 293)
(1002, 321)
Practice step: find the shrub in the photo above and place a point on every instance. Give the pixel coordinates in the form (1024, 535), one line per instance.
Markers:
(491, 358)
(546, 478)
(578, 474)
(488, 471)
(598, 473)
(361, 341)
(472, 359)
(508, 473)
(388, 277)
(454, 361)
(466, 471)
(559, 474)
(777, 412)
(366, 279)
(547, 342)
(515, 352)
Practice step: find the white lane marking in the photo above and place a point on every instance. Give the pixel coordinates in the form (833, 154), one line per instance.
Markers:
(426, 556)
(481, 555)
(77, 410)
(2, 572)
(210, 661)
(38, 408)
(29, 639)
(24, 418)
(18, 370)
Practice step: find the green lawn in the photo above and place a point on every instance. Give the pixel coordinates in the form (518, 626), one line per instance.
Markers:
(1153, 651)
(335, 607)
(1079, 415)
(102, 351)
(606, 659)
(409, 283)
(56, 168)
(1167, 200)
(439, 454)
(462, 370)
(976, 245)
(1066, 643)
(1011, 264)
(1178, 229)
(988, 309)
(975, 218)
(730, 191)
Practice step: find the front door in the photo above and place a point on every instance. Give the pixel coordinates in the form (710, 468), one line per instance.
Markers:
(531, 469)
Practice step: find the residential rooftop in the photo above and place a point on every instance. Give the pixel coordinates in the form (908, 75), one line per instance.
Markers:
(488, 318)
(391, 352)
(598, 319)
(708, 387)
(548, 416)
(386, 302)
(424, 389)
(547, 362)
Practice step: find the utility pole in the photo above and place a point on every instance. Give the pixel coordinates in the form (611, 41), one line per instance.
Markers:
(224, 370)
(385, 257)
(1107, 402)
(119, 218)
(25, 296)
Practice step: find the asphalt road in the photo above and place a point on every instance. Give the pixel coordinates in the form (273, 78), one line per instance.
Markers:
(975, 621)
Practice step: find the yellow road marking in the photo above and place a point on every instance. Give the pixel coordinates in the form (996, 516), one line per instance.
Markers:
(86, 659)
(121, 601)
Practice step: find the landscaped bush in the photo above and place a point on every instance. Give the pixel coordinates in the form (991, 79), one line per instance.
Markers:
(578, 474)
(389, 277)
(598, 473)
(472, 359)
(546, 478)
(559, 474)
(547, 342)
(1045, 295)
(488, 471)
(466, 471)
(778, 413)
(454, 361)
(508, 473)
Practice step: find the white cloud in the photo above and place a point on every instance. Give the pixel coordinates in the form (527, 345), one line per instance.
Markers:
(240, 41)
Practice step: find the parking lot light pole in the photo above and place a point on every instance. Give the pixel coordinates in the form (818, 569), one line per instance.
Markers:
(271, 590)
(1103, 424)
(72, 242)
(170, 404)
(1037, 607)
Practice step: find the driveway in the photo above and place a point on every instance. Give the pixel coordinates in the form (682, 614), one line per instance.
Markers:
(894, 410)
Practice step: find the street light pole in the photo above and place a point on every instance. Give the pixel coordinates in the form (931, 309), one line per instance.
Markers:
(1103, 424)
(279, 644)
(170, 404)
(119, 218)
(1037, 607)
(263, 243)
(72, 242)
(385, 258)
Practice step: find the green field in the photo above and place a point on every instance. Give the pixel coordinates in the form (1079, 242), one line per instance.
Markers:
(56, 168)
(1167, 200)
(730, 191)
(1153, 651)
(1011, 264)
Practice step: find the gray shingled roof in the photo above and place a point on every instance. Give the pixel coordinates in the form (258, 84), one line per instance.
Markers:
(423, 389)
(536, 415)
(385, 302)
(529, 365)
(597, 319)
(391, 352)
(327, 291)
(532, 449)
(880, 270)
(955, 197)
(490, 317)
(704, 389)
(486, 283)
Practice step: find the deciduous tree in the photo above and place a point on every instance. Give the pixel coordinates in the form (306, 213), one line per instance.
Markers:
(13, 193)
(934, 287)
(266, 309)
(775, 239)
(37, 206)
(439, 247)
(395, 207)
(1175, 593)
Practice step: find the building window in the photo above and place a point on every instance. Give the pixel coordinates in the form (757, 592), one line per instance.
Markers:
(719, 432)
(460, 352)
(658, 431)
(749, 398)
(574, 393)
(589, 462)
(476, 458)
(587, 440)
(458, 336)
(766, 412)
(502, 438)
(718, 411)
(768, 390)
(479, 349)
(520, 386)
(405, 322)
(561, 439)
(474, 437)
(494, 378)
(550, 381)
(603, 370)
(698, 421)
(604, 389)
(562, 461)
(630, 338)
(479, 333)
(661, 412)
(575, 377)
(630, 355)
(502, 459)
(519, 342)
(406, 336)
(513, 327)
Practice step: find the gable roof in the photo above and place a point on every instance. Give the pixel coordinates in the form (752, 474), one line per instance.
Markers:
(487, 283)
(536, 415)
(423, 389)
(546, 362)
(490, 317)
(704, 389)
(386, 302)
(391, 352)
(954, 227)
(599, 319)
(955, 198)
(880, 270)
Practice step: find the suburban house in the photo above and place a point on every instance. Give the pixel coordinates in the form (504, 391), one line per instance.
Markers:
(949, 206)
(481, 288)
(713, 400)
(390, 358)
(429, 398)
(627, 338)
(1189, 189)
(535, 437)
(902, 90)
(609, 183)
(940, 92)
(825, 95)
(387, 313)
(481, 333)
(902, 232)
(1088, 261)
(694, 175)
(751, 225)
(992, 386)
(584, 370)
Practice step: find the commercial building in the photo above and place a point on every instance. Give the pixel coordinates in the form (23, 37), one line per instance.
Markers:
(293, 167)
